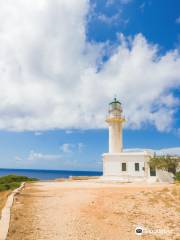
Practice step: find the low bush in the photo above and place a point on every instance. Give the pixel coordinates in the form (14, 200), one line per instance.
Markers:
(11, 182)
(177, 177)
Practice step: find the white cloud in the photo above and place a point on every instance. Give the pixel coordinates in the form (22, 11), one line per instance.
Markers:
(68, 131)
(44, 157)
(58, 161)
(170, 151)
(110, 19)
(38, 133)
(49, 76)
(163, 151)
(71, 147)
(142, 6)
(67, 147)
(80, 147)
(114, 19)
(111, 2)
(178, 20)
(178, 132)
(18, 158)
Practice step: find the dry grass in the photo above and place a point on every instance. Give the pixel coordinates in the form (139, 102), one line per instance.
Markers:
(176, 192)
(169, 197)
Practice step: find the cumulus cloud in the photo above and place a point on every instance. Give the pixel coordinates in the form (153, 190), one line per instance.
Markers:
(164, 151)
(71, 147)
(57, 161)
(113, 19)
(38, 133)
(109, 19)
(18, 158)
(111, 2)
(50, 77)
(68, 131)
(67, 147)
(80, 146)
(178, 20)
(142, 6)
(44, 157)
(169, 151)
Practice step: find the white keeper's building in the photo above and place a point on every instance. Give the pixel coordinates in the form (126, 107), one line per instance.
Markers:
(124, 166)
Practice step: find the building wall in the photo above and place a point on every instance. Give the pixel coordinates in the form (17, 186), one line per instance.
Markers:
(112, 168)
(113, 165)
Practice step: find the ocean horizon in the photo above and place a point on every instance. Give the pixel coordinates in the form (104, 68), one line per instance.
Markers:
(44, 174)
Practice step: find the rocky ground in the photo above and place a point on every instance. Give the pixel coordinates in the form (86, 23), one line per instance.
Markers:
(87, 210)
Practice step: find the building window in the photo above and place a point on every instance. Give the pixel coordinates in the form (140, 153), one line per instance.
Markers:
(123, 167)
(152, 171)
(136, 166)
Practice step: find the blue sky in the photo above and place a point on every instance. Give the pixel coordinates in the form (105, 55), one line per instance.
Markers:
(156, 20)
(61, 63)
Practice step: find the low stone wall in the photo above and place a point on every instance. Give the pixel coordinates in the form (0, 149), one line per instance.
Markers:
(164, 176)
(6, 212)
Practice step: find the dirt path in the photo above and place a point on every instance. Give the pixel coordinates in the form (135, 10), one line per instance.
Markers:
(82, 210)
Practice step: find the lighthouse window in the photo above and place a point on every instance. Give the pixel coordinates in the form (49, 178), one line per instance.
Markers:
(123, 166)
(136, 166)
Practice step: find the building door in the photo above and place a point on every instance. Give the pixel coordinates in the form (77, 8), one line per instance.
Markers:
(152, 172)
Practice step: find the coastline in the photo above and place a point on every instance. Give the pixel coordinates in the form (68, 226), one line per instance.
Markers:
(48, 174)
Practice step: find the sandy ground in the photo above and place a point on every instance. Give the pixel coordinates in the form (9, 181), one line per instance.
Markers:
(87, 210)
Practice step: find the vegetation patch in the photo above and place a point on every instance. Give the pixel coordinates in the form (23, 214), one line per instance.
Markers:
(166, 163)
(177, 176)
(11, 182)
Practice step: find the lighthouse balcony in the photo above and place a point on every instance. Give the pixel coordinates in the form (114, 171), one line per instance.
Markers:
(115, 118)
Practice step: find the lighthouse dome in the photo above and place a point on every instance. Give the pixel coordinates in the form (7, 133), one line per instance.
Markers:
(115, 106)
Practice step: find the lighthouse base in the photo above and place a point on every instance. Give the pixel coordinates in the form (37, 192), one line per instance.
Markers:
(131, 167)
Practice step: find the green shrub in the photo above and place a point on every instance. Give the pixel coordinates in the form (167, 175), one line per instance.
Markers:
(15, 178)
(3, 187)
(177, 176)
(11, 182)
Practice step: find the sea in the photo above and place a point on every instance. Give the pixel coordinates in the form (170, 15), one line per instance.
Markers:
(47, 174)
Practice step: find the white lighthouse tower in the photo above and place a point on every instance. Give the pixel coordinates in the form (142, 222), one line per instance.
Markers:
(118, 164)
(115, 121)
(126, 166)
